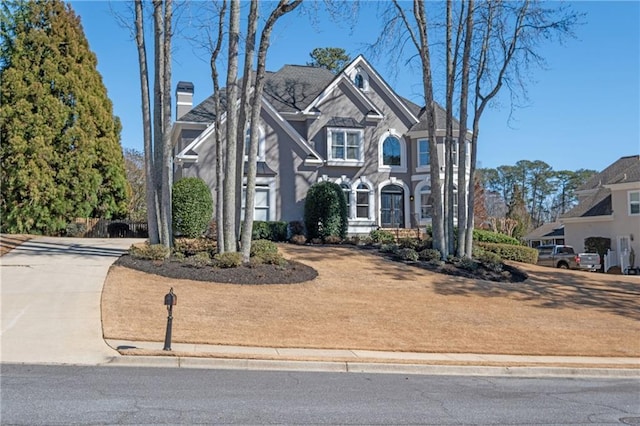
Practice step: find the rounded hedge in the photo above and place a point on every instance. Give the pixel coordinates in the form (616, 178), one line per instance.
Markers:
(192, 206)
(325, 211)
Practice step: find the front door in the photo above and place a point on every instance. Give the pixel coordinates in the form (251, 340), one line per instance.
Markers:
(392, 207)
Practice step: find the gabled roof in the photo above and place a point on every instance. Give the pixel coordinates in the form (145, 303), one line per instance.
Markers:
(294, 87)
(626, 169)
(441, 120)
(598, 200)
(552, 229)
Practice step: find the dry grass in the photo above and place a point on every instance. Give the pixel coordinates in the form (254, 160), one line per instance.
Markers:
(361, 301)
(10, 241)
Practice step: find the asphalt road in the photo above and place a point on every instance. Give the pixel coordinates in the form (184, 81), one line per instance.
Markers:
(53, 395)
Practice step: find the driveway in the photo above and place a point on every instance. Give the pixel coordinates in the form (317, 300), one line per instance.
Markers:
(50, 300)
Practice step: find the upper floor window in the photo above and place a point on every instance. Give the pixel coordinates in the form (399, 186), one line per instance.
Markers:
(247, 140)
(634, 203)
(345, 145)
(391, 153)
(359, 81)
(423, 153)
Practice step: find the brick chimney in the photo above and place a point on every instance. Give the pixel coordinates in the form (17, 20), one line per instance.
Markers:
(184, 98)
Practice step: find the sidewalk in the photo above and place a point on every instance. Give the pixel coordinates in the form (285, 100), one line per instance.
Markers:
(150, 354)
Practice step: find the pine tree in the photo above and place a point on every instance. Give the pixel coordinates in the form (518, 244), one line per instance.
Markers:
(60, 151)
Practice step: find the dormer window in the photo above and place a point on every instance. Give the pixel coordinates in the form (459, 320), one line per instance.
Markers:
(360, 79)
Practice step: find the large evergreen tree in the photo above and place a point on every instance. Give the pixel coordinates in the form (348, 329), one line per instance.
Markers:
(60, 151)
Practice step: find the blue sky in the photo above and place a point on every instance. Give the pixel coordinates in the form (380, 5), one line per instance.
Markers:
(583, 109)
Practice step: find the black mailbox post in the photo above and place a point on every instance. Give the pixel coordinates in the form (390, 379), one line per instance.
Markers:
(170, 299)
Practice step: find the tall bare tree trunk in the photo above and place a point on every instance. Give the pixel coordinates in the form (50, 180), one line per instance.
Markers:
(158, 89)
(152, 210)
(218, 131)
(245, 96)
(448, 140)
(427, 80)
(465, 227)
(229, 219)
(283, 7)
(167, 149)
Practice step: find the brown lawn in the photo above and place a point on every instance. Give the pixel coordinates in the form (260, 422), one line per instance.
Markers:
(361, 301)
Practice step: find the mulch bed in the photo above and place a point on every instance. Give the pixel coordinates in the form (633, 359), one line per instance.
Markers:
(292, 273)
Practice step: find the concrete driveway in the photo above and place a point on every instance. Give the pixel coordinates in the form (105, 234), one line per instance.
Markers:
(50, 300)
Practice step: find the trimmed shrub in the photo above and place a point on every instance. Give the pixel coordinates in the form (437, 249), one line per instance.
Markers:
(261, 230)
(466, 263)
(412, 243)
(483, 236)
(228, 260)
(76, 229)
(298, 239)
(389, 248)
(407, 254)
(332, 239)
(382, 236)
(192, 246)
(600, 245)
(325, 211)
(262, 247)
(511, 252)
(149, 251)
(490, 260)
(192, 207)
(199, 260)
(429, 254)
(268, 259)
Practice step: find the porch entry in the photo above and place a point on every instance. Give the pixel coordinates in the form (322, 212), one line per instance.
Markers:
(392, 207)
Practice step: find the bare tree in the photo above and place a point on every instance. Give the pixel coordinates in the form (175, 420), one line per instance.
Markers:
(229, 186)
(281, 9)
(153, 218)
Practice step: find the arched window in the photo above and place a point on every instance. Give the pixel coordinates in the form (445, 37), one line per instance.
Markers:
(362, 201)
(391, 152)
(359, 81)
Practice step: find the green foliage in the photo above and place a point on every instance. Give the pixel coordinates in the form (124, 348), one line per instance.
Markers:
(193, 246)
(192, 207)
(511, 252)
(483, 236)
(262, 247)
(382, 236)
(228, 260)
(407, 254)
(60, 154)
(325, 211)
(389, 248)
(268, 259)
(296, 227)
(466, 263)
(332, 58)
(490, 260)
(134, 168)
(149, 251)
(76, 229)
(199, 260)
(429, 254)
(412, 243)
(517, 211)
(272, 230)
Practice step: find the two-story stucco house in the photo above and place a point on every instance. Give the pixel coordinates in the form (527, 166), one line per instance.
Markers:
(609, 206)
(350, 128)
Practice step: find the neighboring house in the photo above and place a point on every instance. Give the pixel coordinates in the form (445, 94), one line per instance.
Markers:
(350, 128)
(549, 233)
(609, 206)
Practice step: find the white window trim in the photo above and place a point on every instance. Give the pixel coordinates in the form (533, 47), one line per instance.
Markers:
(629, 203)
(418, 202)
(261, 143)
(402, 168)
(343, 162)
(419, 167)
(269, 182)
(344, 180)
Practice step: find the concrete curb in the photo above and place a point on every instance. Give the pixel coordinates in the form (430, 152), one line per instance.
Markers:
(369, 368)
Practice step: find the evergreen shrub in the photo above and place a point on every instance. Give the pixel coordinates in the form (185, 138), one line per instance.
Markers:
(512, 252)
(325, 211)
(192, 207)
